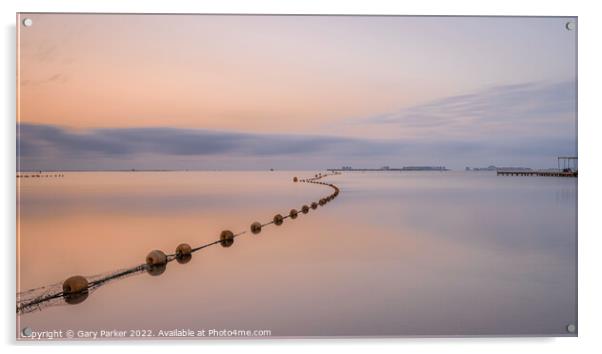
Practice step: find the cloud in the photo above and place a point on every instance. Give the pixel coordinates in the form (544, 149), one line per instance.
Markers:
(51, 147)
(34, 139)
(525, 124)
(526, 109)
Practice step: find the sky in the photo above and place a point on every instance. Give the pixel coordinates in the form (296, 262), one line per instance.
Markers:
(293, 92)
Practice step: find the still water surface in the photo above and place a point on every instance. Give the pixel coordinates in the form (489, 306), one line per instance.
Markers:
(411, 253)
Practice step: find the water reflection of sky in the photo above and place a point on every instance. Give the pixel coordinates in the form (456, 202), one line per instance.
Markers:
(396, 254)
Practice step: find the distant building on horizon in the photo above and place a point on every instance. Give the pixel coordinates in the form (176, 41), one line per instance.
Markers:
(388, 168)
(488, 168)
(424, 168)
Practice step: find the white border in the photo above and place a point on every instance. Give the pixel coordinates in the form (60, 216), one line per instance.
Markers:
(590, 115)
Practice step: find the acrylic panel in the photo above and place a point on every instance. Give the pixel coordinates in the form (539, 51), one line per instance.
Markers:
(193, 176)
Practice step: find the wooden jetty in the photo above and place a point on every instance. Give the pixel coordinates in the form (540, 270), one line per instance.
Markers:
(546, 173)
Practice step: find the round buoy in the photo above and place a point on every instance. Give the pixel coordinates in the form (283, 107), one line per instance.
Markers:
(295, 179)
(314, 205)
(256, 227)
(226, 238)
(305, 209)
(75, 284)
(278, 219)
(75, 290)
(293, 213)
(322, 202)
(155, 258)
(183, 253)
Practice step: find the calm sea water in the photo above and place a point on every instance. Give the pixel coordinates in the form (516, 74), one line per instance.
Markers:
(411, 253)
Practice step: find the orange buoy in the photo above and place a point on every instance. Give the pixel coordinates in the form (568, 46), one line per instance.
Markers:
(278, 219)
(305, 209)
(293, 213)
(322, 202)
(183, 253)
(256, 227)
(226, 238)
(295, 179)
(314, 205)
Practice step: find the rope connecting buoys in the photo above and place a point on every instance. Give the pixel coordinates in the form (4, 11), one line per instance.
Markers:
(77, 288)
(183, 253)
(226, 238)
(278, 219)
(256, 227)
(41, 175)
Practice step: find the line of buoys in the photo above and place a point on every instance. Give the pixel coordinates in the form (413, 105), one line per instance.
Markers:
(75, 288)
(39, 175)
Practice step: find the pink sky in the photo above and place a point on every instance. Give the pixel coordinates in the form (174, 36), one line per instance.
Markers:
(335, 76)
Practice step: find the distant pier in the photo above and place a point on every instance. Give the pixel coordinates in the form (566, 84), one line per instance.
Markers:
(567, 167)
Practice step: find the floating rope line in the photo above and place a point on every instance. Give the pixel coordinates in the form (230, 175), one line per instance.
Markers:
(40, 175)
(76, 289)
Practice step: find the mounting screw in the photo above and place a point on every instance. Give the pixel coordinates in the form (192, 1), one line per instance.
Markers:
(570, 26)
(27, 331)
(571, 328)
(28, 22)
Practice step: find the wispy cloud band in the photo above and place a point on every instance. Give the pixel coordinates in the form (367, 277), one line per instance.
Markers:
(52, 147)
